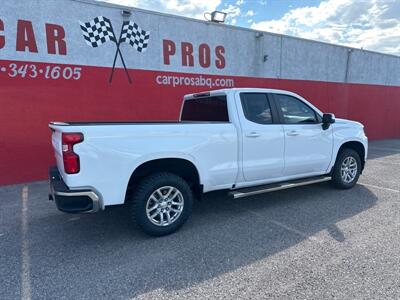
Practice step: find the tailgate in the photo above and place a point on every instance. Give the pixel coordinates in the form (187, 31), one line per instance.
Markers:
(57, 146)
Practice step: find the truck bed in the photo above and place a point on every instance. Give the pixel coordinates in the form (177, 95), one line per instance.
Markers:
(95, 123)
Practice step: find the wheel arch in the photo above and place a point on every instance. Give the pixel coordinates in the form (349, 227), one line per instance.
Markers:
(179, 166)
(356, 146)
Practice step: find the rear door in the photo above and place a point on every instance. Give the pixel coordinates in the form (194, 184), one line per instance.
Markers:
(262, 136)
(308, 148)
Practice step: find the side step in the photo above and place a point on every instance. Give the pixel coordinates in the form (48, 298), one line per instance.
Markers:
(277, 186)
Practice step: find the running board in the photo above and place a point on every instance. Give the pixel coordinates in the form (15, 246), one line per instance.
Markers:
(277, 186)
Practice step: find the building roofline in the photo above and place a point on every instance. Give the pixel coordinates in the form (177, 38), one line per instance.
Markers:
(114, 5)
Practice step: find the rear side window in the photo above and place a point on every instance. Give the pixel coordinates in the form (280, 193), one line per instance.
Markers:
(256, 108)
(208, 109)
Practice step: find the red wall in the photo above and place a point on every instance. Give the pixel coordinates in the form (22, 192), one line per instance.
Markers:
(27, 105)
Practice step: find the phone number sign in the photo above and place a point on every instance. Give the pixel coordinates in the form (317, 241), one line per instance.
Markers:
(30, 70)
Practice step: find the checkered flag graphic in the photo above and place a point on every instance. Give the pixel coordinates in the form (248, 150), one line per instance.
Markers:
(135, 36)
(98, 31)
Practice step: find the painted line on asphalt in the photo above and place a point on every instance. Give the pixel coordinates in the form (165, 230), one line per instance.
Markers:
(294, 230)
(282, 225)
(25, 257)
(382, 161)
(379, 187)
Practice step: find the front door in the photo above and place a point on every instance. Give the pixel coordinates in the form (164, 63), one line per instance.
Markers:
(308, 148)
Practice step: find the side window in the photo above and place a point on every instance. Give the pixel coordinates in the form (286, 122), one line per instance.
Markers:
(256, 108)
(295, 111)
(208, 109)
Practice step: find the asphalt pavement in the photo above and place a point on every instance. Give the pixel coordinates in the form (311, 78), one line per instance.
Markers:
(311, 242)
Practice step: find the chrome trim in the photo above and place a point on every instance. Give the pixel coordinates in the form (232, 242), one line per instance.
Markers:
(92, 195)
(278, 188)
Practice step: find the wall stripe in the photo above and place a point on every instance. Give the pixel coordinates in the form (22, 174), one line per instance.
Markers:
(27, 105)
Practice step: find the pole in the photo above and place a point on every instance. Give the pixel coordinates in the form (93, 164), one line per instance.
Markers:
(118, 51)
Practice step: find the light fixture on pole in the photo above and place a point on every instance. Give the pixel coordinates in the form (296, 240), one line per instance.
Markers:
(216, 16)
(126, 13)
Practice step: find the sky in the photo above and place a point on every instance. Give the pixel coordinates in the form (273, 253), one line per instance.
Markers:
(368, 24)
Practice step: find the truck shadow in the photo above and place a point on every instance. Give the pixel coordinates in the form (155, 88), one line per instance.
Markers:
(221, 236)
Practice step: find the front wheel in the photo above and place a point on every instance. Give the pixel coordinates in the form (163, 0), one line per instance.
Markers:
(347, 169)
(161, 203)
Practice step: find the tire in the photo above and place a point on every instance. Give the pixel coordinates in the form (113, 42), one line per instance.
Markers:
(346, 157)
(151, 206)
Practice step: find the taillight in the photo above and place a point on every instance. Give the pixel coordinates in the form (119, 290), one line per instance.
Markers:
(70, 158)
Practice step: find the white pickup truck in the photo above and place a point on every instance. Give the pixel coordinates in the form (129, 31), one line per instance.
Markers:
(242, 140)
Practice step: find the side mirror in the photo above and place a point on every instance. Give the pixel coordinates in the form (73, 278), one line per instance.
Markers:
(327, 120)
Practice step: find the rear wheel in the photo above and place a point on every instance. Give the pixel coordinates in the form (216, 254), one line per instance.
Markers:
(347, 169)
(161, 203)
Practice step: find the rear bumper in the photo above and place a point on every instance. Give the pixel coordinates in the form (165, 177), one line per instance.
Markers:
(71, 201)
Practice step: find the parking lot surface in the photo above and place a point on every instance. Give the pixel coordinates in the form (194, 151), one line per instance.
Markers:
(308, 242)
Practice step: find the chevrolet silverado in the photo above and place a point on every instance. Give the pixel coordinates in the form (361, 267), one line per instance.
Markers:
(243, 140)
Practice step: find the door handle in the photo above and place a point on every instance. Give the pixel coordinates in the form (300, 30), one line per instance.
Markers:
(292, 133)
(252, 134)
